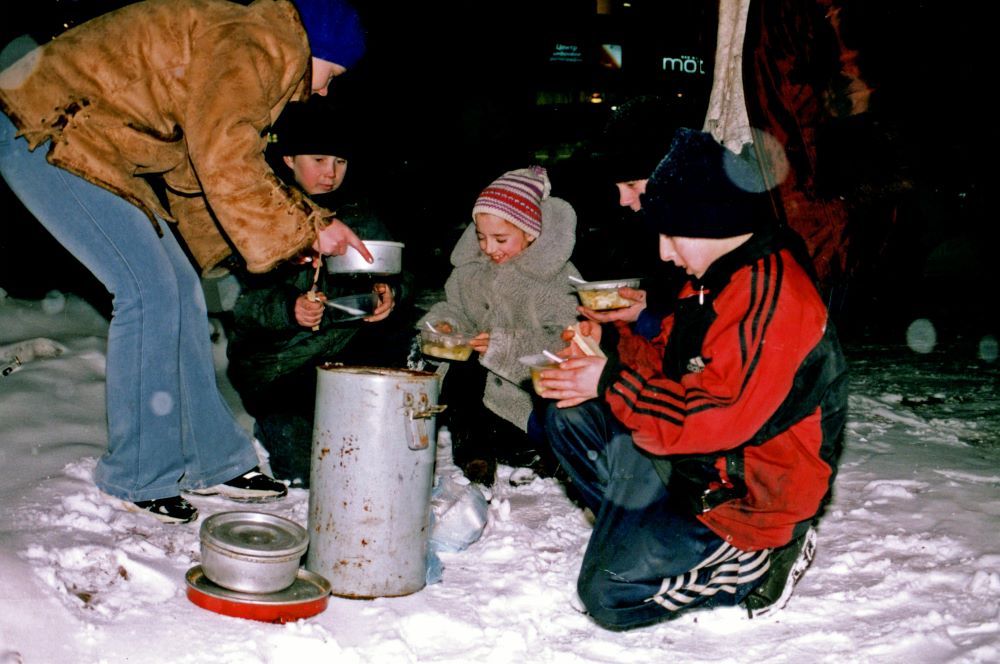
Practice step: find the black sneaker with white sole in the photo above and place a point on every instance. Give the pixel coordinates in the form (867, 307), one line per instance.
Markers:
(252, 486)
(787, 566)
(168, 510)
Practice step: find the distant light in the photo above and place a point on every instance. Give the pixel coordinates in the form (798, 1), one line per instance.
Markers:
(989, 349)
(921, 336)
(596, 98)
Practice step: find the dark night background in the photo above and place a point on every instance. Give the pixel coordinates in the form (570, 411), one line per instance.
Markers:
(451, 94)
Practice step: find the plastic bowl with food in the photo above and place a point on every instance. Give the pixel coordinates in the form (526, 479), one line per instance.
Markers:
(537, 364)
(450, 345)
(603, 295)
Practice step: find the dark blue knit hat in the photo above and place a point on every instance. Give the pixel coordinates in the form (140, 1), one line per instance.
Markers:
(334, 31)
(702, 189)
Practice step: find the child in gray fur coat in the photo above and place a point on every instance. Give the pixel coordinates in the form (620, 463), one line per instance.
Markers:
(510, 288)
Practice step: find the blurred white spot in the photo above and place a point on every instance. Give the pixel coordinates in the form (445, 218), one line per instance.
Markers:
(54, 303)
(18, 59)
(763, 166)
(921, 336)
(199, 297)
(988, 349)
(161, 403)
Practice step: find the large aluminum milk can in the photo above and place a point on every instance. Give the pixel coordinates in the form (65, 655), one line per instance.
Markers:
(372, 472)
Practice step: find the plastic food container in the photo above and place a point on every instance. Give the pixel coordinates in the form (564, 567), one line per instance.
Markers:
(603, 295)
(445, 345)
(388, 259)
(251, 552)
(352, 307)
(537, 364)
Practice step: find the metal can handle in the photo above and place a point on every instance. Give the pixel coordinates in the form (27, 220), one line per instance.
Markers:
(417, 434)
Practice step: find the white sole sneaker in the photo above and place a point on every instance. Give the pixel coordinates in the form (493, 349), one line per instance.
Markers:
(252, 486)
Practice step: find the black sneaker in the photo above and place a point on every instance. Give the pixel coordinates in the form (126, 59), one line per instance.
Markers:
(788, 564)
(252, 486)
(168, 510)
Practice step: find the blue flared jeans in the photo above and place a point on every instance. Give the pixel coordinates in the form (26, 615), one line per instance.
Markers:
(169, 428)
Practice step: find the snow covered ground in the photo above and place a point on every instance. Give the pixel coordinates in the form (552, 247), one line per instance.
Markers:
(908, 566)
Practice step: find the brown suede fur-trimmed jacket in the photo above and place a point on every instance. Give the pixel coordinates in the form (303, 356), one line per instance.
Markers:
(182, 90)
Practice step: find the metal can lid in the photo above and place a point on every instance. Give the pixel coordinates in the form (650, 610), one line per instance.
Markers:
(254, 534)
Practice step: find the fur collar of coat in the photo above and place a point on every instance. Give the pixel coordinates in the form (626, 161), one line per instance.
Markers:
(544, 257)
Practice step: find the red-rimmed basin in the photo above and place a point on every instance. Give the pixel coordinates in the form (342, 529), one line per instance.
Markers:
(306, 597)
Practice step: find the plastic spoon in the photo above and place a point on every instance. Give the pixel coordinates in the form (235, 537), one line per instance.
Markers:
(343, 307)
(552, 356)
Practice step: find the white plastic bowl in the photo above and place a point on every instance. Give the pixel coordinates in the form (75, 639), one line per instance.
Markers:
(388, 259)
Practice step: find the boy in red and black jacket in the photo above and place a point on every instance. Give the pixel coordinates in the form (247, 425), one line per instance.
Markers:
(707, 452)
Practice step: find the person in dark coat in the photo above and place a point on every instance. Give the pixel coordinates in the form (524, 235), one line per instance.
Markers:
(633, 141)
(281, 327)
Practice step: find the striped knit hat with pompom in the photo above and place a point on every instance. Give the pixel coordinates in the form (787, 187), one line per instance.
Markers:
(517, 197)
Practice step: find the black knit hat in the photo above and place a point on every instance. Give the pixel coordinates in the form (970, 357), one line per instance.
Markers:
(702, 189)
(637, 135)
(313, 127)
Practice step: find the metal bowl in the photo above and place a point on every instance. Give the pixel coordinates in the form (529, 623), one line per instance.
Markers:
(388, 259)
(252, 552)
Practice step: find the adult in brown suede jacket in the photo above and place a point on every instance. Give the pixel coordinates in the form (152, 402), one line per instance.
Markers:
(181, 91)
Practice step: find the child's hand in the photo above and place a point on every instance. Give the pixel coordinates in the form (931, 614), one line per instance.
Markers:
(309, 309)
(573, 348)
(481, 342)
(628, 314)
(574, 382)
(386, 302)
